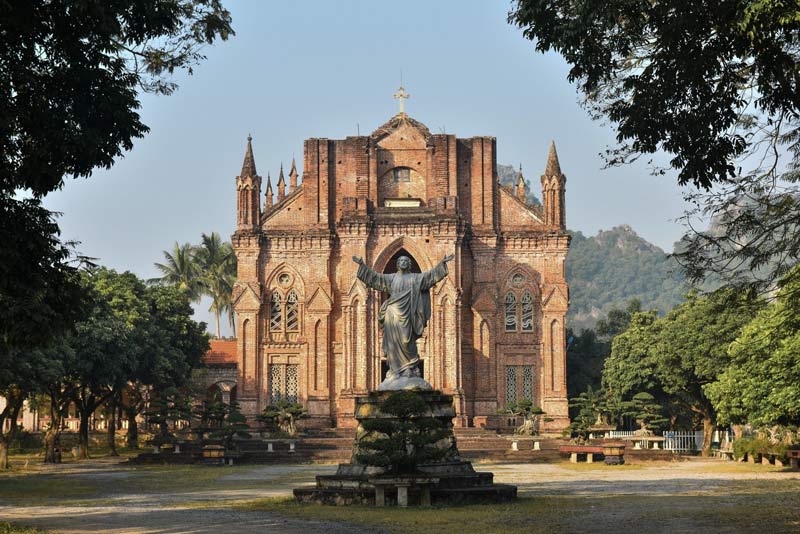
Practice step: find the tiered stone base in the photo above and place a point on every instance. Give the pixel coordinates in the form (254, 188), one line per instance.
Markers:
(457, 481)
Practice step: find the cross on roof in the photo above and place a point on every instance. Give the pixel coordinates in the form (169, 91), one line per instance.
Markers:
(401, 95)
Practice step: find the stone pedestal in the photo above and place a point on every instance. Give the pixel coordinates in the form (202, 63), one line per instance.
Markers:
(456, 480)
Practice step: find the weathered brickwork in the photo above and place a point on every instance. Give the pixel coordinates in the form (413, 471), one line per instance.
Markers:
(308, 329)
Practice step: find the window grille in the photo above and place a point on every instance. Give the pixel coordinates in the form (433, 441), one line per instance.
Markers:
(275, 383)
(511, 384)
(275, 312)
(527, 312)
(292, 318)
(511, 313)
(291, 383)
(527, 382)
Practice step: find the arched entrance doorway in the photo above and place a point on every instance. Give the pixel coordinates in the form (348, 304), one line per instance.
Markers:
(391, 268)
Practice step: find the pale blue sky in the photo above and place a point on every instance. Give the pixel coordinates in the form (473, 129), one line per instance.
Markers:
(322, 69)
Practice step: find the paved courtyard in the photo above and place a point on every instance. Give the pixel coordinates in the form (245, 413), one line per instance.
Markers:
(692, 496)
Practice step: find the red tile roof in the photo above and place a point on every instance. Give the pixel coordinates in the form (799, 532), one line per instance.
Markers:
(222, 352)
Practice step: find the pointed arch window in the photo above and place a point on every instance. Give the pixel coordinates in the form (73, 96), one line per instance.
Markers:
(292, 316)
(275, 312)
(510, 312)
(526, 317)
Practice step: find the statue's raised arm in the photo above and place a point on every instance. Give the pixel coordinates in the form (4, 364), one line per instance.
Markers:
(370, 278)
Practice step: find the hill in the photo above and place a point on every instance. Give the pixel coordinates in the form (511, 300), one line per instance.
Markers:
(614, 267)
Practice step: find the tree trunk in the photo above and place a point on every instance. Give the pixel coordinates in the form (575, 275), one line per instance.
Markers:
(132, 436)
(164, 423)
(52, 444)
(4, 464)
(52, 438)
(709, 426)
(112, 427)
(83, 436)
(216, 316)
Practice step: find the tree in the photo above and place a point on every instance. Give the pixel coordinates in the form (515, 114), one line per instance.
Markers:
(282, 416)
(692, 349)
(70, 73)
(760, 386)
(108, 344)
(181, 270)
(217, 267)
(715, 85)
(646, 411)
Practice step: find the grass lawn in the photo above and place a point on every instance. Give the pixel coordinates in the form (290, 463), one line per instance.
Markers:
(745, 504)
(13, 528)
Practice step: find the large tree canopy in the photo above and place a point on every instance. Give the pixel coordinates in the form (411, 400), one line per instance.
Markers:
(715, 85)
(70, 75)
(676, 76)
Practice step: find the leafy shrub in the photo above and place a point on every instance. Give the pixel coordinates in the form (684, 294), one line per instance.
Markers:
(404, 441)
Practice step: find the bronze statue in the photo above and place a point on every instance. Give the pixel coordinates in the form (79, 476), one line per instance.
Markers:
(403, 317)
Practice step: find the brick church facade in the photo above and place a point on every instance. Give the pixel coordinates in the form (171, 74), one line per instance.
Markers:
(308, 329)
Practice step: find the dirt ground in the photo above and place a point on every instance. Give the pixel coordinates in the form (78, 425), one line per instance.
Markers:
(692, 496)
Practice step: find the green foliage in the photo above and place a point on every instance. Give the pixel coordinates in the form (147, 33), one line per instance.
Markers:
(169, 407)
(617, 266)
(760, 386)
(282, 416)
(676, 77)
(70, 76)
(587, 351)
(405, 440)
(646, 411)
(232, 426)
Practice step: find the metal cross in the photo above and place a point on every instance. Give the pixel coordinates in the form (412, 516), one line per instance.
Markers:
(401, 95)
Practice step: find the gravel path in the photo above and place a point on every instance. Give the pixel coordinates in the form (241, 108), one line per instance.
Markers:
(118, 504)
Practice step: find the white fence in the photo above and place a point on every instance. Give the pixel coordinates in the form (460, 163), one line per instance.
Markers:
(679, 441)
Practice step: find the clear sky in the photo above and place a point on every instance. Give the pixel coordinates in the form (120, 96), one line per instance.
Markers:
(305, 69)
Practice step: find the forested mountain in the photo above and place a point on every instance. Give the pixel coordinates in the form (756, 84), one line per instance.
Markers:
(614, 267)
(508, 176)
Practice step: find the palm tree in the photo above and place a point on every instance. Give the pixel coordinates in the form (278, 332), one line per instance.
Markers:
(180, 269)
(217, 264)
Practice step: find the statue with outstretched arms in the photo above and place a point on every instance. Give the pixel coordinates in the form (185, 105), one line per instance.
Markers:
(403, 317)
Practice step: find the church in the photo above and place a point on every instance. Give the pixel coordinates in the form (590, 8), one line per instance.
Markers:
(308, 329)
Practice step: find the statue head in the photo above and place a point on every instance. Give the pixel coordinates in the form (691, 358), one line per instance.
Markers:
(403, 263)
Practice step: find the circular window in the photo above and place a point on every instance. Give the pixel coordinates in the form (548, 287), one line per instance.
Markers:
(284, 279)
(517, 279)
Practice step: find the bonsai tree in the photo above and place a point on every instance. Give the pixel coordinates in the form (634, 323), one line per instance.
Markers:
(282, 416)
(210, 416)
(233, 425)
(167, 410)
(646, 411)
(532, 416)
(408, 438)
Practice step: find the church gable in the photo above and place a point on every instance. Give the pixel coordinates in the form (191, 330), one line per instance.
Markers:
(554, 299)
(319, 302)
(287, 213)
(514, 213)
(245, 297)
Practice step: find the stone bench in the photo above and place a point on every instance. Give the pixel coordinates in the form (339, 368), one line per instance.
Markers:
(403, 484)
(725, 454)
(576, 451)
(272, 442)
(650, 442)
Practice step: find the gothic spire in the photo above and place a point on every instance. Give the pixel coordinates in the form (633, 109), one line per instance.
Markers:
(281, 185)
(269, 192)
(553, 168)
(249, 165)
(293, 178)
(520, 185)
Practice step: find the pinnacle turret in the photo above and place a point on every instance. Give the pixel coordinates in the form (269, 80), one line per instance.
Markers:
(269, 192)
(249, 164)
(293, 178)
(281, 186)
(553, 168)
(520, 185)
